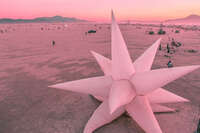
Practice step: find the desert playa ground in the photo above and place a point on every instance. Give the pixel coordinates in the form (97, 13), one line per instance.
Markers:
(29, 63)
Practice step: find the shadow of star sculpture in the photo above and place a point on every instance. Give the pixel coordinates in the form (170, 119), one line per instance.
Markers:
(127, 86)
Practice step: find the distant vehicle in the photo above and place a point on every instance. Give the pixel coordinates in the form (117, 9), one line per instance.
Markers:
(177, 31)
(151, 32)
(92, 31)
(192, 51)
(161, 32)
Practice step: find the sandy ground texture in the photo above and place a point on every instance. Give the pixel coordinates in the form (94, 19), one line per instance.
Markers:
(29, 63)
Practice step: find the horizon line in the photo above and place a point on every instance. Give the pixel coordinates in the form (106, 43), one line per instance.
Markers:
(156, 19)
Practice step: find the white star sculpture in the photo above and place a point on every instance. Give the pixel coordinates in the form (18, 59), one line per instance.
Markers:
(127, 86)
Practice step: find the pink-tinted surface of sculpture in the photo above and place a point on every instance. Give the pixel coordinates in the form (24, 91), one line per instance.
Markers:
(127, 86)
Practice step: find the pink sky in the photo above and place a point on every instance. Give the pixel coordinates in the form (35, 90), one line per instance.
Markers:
(100, 9)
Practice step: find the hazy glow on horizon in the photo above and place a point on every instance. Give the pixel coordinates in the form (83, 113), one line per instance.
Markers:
(100, 9)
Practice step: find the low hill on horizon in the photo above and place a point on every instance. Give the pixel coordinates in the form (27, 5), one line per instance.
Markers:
(41, 19)
(191, 19)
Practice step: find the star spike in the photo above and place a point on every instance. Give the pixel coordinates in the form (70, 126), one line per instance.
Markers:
(140, 110)
(98, 86)
(122, 67)
(103, 62)
(145, 61)
(163, 96)
(102, 116)
(156, 108)
(158, 78)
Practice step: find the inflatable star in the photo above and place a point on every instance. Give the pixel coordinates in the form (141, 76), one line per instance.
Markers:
(127, 86)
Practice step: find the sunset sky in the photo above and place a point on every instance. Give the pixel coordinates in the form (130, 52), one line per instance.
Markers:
(100, 9)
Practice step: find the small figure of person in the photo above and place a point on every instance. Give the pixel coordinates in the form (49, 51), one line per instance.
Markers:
(198, 127)
(53, 43)
(170, 64)
(168, 48)
(160, 47)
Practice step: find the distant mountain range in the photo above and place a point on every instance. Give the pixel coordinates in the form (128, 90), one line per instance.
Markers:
(189, 20)
(41, 19)
(192, 19)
